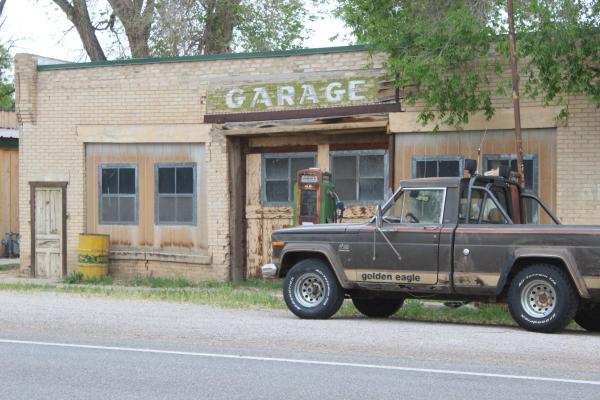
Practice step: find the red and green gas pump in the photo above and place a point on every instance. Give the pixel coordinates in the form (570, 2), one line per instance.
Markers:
(315, 201)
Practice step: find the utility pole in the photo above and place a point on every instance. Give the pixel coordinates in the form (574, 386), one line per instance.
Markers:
(515, 91)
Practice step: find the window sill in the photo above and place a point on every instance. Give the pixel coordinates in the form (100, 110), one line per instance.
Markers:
(151, 255)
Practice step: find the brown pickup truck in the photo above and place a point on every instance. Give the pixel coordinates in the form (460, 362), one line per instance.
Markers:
(458, 239)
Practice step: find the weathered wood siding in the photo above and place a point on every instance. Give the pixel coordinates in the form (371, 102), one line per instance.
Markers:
(146, 235)
(541, 142)
(9, 190)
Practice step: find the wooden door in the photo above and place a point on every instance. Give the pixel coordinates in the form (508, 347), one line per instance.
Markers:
(48, 241)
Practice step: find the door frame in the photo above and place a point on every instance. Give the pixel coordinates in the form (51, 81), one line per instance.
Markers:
(63, 186)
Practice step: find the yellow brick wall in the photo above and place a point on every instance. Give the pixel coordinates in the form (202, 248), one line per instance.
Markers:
(53, 104)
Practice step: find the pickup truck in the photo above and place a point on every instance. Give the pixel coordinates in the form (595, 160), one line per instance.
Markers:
(449, 238)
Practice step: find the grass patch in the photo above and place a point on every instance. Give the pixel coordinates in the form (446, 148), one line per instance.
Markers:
(8, 267)
(265, 295)
(77, 278)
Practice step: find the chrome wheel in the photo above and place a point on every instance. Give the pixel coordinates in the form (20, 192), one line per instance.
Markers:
(309, 290)
(538, 298)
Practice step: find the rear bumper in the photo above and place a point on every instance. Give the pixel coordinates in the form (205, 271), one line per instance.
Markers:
(269, 271)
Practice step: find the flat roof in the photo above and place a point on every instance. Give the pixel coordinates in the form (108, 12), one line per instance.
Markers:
(204, 57)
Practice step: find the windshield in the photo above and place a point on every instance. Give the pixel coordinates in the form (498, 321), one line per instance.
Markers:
(416, 206)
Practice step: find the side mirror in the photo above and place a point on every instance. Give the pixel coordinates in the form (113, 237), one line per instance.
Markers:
(378, 216)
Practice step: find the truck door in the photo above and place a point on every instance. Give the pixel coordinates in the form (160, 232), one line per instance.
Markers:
(405, 249)
(482, 244)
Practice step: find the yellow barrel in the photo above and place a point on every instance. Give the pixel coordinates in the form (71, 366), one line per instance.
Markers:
(93, 255)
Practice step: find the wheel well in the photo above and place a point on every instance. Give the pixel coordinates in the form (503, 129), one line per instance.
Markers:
(290, 259)
(524, 262)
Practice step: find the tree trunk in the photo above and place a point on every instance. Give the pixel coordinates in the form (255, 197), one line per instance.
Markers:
(221, 17)
(79, 15)
(137, 21)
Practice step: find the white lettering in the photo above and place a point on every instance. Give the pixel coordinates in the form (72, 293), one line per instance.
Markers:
(261, 97)
(334, 92)
(285, 95)
(354, 89)
(235, 98)
(309, 94)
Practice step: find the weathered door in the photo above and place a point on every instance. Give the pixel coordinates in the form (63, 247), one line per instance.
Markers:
(48, 232)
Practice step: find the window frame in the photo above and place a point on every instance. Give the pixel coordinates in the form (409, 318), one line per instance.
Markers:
(438, 158)
(194, 193)
(357, 154)
(263, 176)
(103, 166)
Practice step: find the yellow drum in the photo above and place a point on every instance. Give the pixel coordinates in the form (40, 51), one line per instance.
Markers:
(93, 255)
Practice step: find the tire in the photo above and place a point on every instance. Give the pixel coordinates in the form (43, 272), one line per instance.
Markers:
(377, 308)
(312, 291)
(588, 316)
(542, 298)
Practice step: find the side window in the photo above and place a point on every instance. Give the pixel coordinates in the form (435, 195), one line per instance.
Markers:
(436, 166)
(476, 202)
(175, 194)
(280, 172)
(118, 194)
(483, 207)
(359, 176)
(415, 206)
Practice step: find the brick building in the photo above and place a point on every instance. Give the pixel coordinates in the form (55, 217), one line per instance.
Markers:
(188, 163)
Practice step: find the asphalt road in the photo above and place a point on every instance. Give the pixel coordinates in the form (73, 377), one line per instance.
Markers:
(60, 346)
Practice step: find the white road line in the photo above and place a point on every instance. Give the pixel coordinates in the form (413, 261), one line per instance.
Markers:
(300, 361)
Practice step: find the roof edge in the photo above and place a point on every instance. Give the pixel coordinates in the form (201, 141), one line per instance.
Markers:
(207, 57)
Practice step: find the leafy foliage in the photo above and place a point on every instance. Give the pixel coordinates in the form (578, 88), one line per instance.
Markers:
(7, 88)
(451, 49)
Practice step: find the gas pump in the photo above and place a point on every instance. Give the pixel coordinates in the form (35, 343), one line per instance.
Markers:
(315, 201)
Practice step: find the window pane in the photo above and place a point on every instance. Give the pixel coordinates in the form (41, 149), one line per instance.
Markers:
(371, 166)
(300, 164)
(110, 209)
(491, 213)
(276, 168)
(449, 168)
(422, 206)
(166, 209)
(127, 180)
(185, 209)
(344, 167)
(110, 181)
(126, 209)
(166, 180)
(345, 188)
(371, 189)
(476, 199)
(277, 190)
(185, 180)
(426, 169)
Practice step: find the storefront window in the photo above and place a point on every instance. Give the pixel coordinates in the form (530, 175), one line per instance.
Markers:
(437, 166)
(280, 172)
(175, 194)
(118, 194)
(359, 176)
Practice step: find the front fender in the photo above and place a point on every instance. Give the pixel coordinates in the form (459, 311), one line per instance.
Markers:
(562, 255)
(324, 249)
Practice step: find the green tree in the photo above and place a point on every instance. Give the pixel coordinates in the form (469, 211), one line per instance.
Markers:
(451, 49)
(143, 28)
(7, 88)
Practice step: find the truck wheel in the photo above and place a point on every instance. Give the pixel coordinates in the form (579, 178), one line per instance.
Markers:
(377, 308)
(588, 317)
(312, 291)
(541, 298)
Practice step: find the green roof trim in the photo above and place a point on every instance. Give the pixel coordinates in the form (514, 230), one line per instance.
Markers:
(207, 57)
(9, 142)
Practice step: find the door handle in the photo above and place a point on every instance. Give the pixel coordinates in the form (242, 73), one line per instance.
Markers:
(431, 228)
